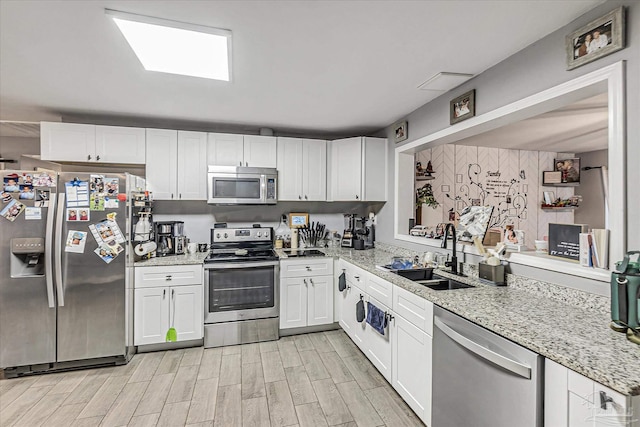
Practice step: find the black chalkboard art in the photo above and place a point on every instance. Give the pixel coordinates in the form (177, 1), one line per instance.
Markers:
(564, 240)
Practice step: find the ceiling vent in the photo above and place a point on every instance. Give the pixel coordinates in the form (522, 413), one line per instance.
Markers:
(444, 81)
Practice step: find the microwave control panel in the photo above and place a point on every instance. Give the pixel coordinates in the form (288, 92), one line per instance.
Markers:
(271, 188)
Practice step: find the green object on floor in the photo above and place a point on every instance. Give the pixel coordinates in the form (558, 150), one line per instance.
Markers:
(172, 334)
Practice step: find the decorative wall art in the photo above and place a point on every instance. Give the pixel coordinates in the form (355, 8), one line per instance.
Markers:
(508, 180)
(462, 107)
(598, 38)
(401, 131)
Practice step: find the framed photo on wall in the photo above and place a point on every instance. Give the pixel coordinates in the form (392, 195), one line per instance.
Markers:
(569, 170)
(400, 131)
(598, 38)
(462, 107)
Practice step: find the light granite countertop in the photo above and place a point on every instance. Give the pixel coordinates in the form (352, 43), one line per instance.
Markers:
(567, 326)
(186, 259)
(558, 327)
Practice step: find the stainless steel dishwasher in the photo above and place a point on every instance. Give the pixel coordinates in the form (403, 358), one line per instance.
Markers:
(481, 379)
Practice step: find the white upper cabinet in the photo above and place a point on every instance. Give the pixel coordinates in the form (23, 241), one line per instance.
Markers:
(225, 149)
(260, 151)
(192, 168)
(302, 169)
(67, 142)
(162, 163)
(289, 169)
(358, 169)
(71, 142)
(116, 144)
(346, 169)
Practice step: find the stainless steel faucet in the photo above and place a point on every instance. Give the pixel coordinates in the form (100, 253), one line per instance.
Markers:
(454, 259)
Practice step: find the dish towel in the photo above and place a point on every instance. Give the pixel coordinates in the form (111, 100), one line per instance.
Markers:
(360, 310)
(342, 282)
(376, 318)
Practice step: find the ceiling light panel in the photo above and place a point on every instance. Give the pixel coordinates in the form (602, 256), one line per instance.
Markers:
(176, 47)
(445, 81)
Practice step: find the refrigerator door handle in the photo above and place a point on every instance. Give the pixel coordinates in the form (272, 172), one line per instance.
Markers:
(49, 244)
(58, 249)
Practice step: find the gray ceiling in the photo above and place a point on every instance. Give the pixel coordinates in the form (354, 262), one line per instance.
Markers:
(326, 67)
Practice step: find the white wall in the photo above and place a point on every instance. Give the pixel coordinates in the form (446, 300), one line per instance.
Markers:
(591, 209)
(540, 66)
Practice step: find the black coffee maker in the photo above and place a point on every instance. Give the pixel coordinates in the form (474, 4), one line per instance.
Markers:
(625, 296)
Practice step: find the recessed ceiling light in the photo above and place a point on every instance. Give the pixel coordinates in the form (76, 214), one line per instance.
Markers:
(445, 81)
(177, 47)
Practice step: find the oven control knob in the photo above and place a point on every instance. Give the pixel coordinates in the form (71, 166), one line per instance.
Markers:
(226, 235)
(259, 234)
(218, 236)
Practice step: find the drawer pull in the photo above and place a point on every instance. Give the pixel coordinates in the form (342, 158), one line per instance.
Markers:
(168, 277)
(308, 268)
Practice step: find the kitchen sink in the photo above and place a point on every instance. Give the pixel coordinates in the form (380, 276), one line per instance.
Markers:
(426, 277)
(439, 283)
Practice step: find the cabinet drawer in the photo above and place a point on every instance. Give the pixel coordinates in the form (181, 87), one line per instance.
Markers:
(174, 275)
(320, 266)
(415, 309)
(355, 275)
(380, 289)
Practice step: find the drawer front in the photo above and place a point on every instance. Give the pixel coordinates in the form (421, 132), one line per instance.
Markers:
(175, 275)
(415, 309)
(380, 289)
(355, 275)
(320, 266)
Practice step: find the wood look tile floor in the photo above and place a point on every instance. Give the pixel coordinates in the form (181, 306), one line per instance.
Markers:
(319, 379)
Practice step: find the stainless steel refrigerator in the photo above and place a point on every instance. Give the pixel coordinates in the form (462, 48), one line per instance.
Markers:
(65, 303)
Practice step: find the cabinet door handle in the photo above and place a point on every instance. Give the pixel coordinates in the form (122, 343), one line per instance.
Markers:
(305, 282)
(172, 195)
(305, 197)
(246, 163)
(89, 157)
(604, 399)
(168, 277)
(299, 197)
(173, 292)
(97, 158)
(180, 196)
(164, 293)
(357, 278)
(240, 163)
(311, 281)
(357, 197)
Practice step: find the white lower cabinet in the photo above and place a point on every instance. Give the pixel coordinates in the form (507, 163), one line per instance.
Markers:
(411, 366)
(178, 304)
(306, 293)
(378, 346)
(403, 354)
(572, 400)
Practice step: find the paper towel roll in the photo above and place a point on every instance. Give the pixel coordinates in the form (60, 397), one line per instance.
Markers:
(294, 238)
(144, 248)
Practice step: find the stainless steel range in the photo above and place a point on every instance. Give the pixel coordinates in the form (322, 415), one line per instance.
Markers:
(242, 287)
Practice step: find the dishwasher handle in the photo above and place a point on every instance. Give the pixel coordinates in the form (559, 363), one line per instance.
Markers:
(483, 352)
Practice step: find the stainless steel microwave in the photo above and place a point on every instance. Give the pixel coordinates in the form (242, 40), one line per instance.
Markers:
(237, 185)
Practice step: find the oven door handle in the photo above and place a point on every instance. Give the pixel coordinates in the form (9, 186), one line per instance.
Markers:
(237, 265)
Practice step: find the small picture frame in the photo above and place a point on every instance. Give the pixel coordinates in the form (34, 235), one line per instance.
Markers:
(462, 107)
(549, 197)
(551, 178)
(569, 170)
(599, 38)
(298, 220)
(401, 131)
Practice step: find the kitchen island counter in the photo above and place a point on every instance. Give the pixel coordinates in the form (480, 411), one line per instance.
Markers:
(567, 326)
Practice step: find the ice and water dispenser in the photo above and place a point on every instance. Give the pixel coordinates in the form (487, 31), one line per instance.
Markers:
(27, 257)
